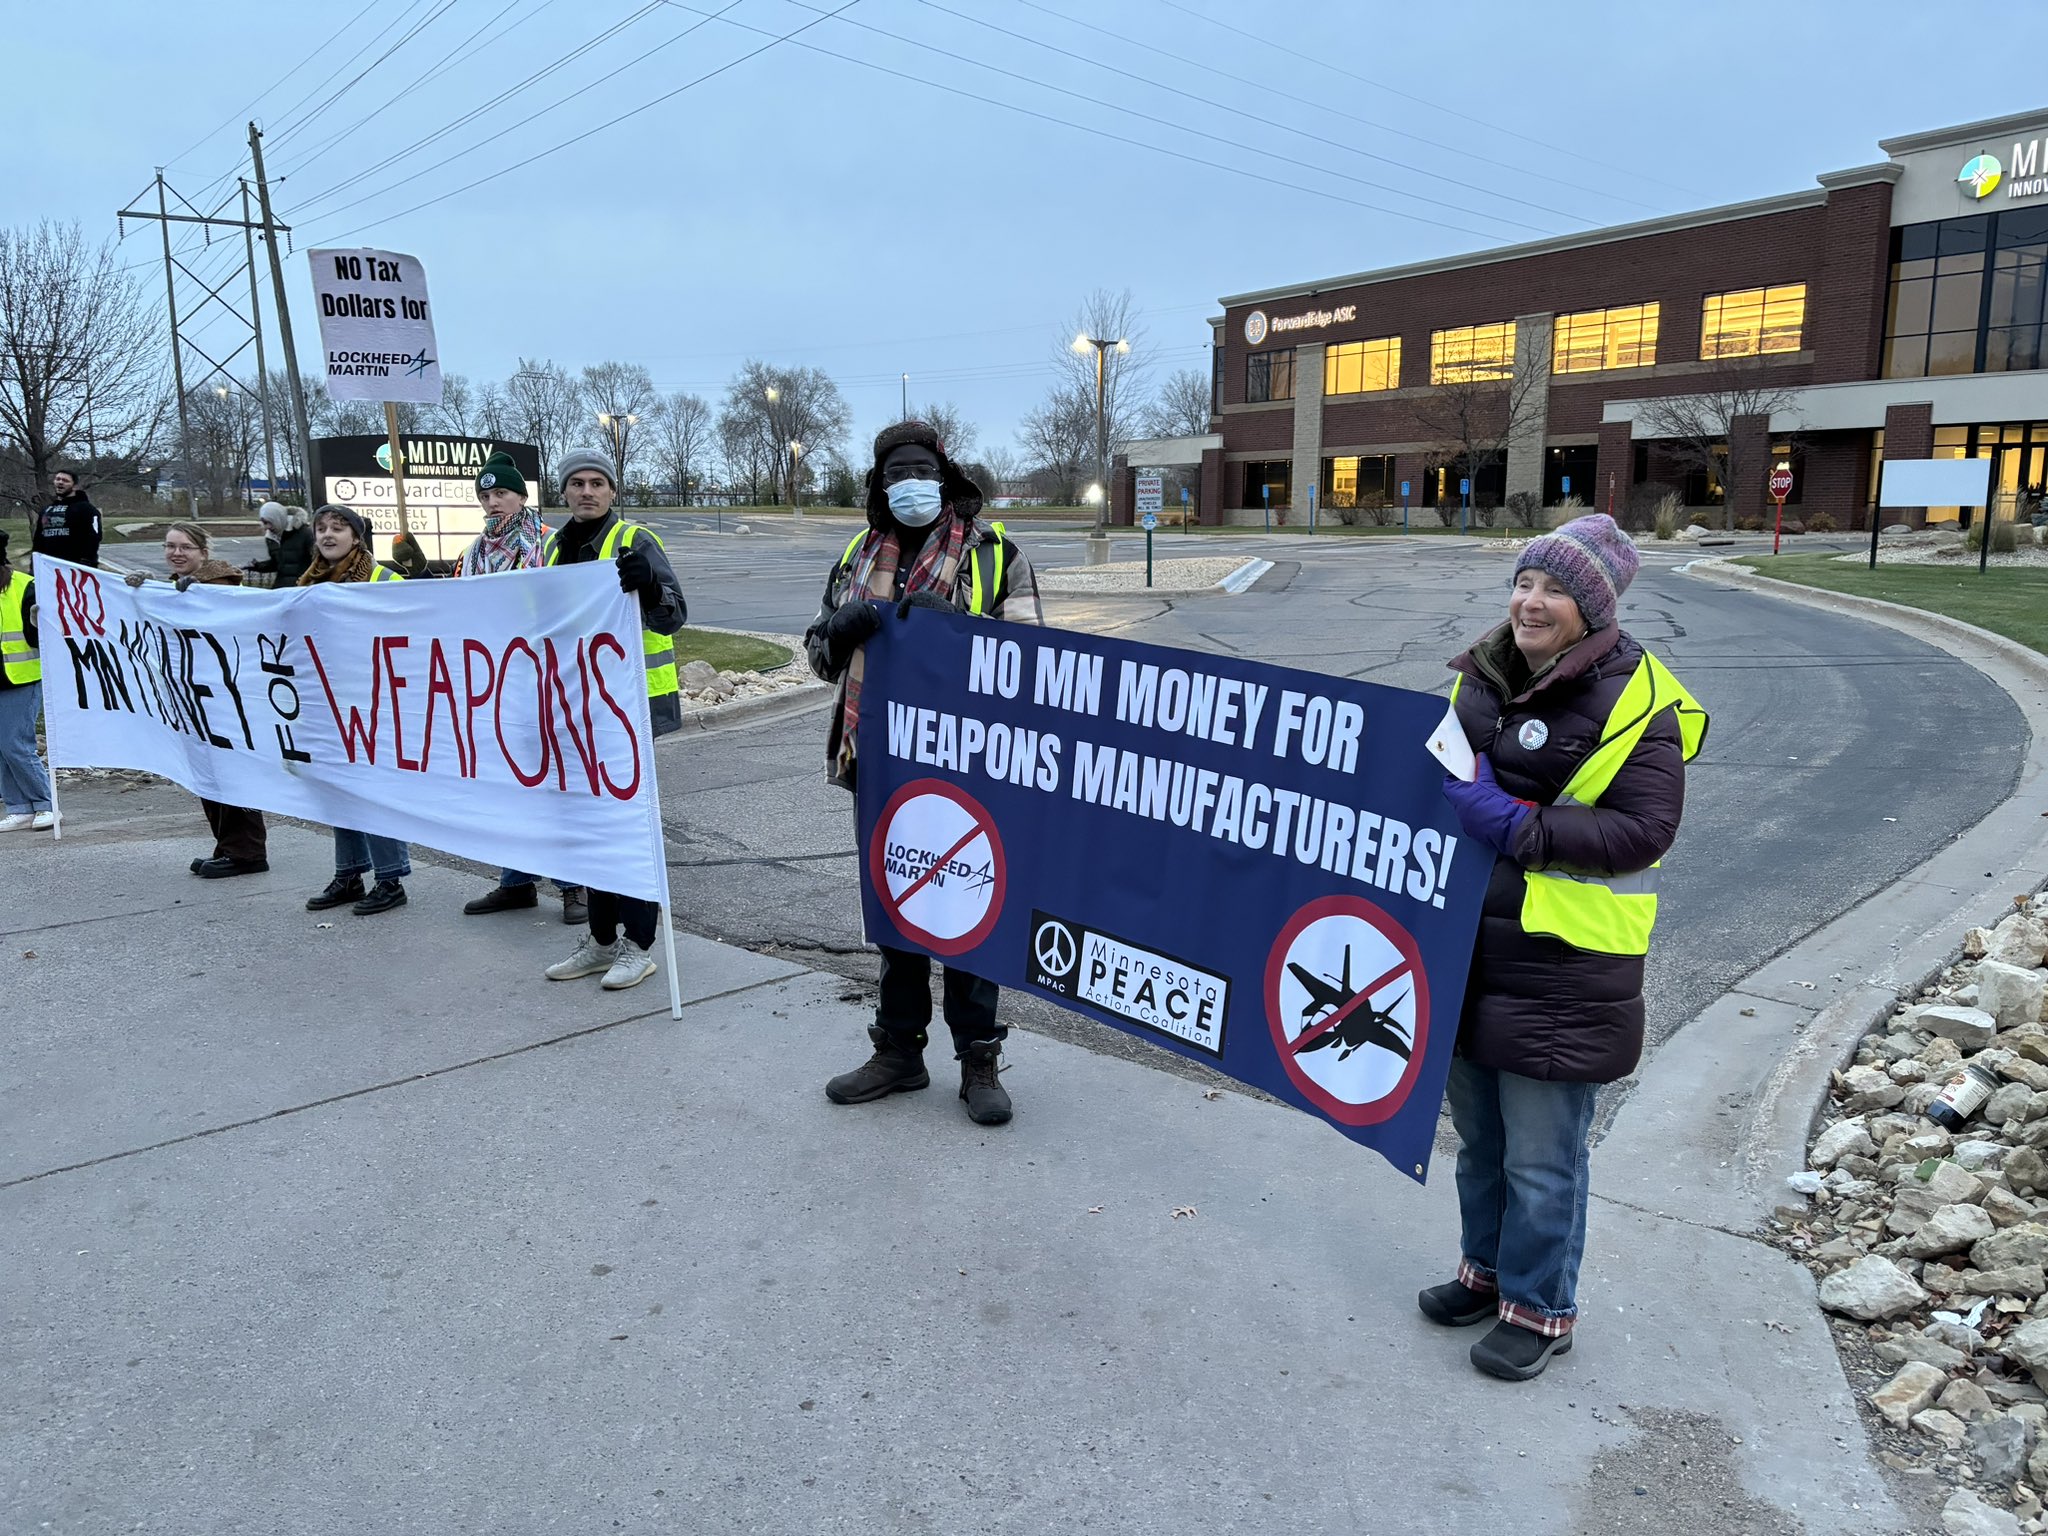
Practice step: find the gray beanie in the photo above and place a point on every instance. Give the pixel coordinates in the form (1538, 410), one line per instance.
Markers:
(586, 458)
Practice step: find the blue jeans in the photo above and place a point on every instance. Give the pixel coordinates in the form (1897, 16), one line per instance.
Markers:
(509, 879)
(24, 786)
(357, 853)
(1523, 1172)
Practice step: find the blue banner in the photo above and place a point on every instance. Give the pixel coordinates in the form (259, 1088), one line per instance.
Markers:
(1251, 866)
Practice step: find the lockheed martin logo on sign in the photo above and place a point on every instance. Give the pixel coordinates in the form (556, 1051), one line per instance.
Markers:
(376, 329)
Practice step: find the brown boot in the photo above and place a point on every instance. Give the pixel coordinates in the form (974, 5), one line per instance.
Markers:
(988, 1102)
(896, 1067)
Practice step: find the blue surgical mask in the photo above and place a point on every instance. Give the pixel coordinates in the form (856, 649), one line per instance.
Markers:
(915, 503)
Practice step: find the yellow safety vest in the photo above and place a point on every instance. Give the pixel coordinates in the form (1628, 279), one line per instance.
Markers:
(980, 591)
(385, 573)
(1613, 914)
(17, 657)
(659, 650)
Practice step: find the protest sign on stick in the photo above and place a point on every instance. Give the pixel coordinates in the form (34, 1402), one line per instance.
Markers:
(1247, 865)
(377, 339)
(503, 718)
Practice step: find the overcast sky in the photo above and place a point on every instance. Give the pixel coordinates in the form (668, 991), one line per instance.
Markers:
(933, 185)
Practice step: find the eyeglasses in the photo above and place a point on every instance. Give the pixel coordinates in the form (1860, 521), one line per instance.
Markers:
(180, 549)
(901, 472)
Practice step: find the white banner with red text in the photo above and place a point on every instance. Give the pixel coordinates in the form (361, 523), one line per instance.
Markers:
(502, 718)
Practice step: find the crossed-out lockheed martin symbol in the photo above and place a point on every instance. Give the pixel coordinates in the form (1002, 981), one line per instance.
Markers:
(1053, 947)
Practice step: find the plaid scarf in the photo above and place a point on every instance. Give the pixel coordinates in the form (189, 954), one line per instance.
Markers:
(510, 543)
(872, 575)
(356, 565)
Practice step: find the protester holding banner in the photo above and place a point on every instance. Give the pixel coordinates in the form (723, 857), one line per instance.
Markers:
(289, 542)
(68, 527)
(24, 782)
(925, 546)
(241, 843)
(1582, 737)
(341, 554)
(511, 541)
(595, 532)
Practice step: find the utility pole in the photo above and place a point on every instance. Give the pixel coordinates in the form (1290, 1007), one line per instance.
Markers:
(262, 369)
(906, 397)
(271, 229)
(177, 364)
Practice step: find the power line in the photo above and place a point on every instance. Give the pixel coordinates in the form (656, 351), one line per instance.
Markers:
(1424, 101)
(1350, 117)
(360, 75)
(501, 97)
(602, 127)
(460, 50)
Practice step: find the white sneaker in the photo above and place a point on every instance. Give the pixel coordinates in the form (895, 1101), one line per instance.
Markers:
(632, 966)
(589, 958)
(19, 821)
(44, 821)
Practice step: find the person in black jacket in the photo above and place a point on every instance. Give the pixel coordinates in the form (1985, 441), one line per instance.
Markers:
(1578, 796)
(288, 541)
(68, 527)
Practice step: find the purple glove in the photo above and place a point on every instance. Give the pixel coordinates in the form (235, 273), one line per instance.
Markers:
(1488, 813)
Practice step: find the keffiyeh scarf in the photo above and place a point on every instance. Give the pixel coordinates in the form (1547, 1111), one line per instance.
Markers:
(509, 543)
(872, 575)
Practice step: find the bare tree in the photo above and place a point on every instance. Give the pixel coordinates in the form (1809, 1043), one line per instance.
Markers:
(456, 414)
(954, 429)
(622, 397)
(1181, 408)
(545, 406)
(682, 436)
(226, 426)
(1107, 316)
(492, 412)
(766, 409)
(1057, 440)
(79, 349)
(1004, 469)
(1698, 428)
(1480, 419)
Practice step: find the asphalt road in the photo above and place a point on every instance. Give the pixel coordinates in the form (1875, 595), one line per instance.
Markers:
(1841, 754)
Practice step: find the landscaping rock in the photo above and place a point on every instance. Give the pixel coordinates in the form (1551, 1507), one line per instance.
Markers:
(1870, 1289)
(1976, 1156)
(1950, 1229)
(1908, 1347)
(1907, 1393)
(1841, 1139)
(1965, 1514)
(1964, 1399)
(2011, 1104)
(1866, 1088)
(1943, 1426)
(2020, 939)
(2001, 1445)
(2010, 994)
(2005, 1208)
(2028, 1344)
(2026, 1243)
(1970, 1029)
(2025, 1170)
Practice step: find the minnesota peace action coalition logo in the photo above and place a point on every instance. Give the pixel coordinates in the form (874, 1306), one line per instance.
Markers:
(1255, 327)
(1348, 1000)
(937, 863)
(1981, 175)
(1133, 982)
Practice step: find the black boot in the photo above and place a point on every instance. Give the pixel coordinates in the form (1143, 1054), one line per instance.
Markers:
(896, 1067)
(988, 1102)
(1517, 1354)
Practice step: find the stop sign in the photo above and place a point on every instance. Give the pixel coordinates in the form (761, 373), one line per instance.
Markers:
(1781, 483)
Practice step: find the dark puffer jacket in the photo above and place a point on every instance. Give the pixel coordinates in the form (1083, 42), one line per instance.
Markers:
(1535, 1005)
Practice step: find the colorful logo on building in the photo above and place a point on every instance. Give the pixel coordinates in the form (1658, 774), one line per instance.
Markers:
(1981, 175)
(1255, 327)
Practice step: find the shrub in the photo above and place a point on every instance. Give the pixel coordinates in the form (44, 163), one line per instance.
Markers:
(1667, 526)
(1820, 522)
(1377, 508)
(2004, 538)
(1700, 519)
(1525, 507)
(1745, 524)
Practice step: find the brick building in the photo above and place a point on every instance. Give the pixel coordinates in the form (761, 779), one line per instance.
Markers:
(1892, 310)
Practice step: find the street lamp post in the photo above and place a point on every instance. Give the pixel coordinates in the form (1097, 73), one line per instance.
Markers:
(796, 495)
(1098, 541)
(906, 398)
(618, 428)
(773, 395)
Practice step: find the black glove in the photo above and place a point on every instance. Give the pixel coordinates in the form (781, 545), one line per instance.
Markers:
(407, 555)
(922, 600)
(182, 582)
(849, 627)
(636, 571)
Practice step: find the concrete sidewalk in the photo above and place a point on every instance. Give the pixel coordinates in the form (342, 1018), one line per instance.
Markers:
(369, 1228)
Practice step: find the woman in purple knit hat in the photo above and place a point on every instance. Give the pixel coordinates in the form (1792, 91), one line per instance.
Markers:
(1582, 738)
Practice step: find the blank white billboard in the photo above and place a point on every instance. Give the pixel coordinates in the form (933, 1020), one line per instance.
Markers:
(1935, 483)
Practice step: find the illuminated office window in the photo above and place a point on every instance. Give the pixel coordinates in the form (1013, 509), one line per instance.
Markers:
(1473, 352)
(1359, 367)
(1594, 339)
(1752, 321)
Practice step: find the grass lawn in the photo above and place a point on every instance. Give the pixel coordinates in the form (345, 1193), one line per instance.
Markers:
(729, 653)
(2011, 602)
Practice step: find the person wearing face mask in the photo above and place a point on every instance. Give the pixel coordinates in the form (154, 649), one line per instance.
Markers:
(595, 532)
(241, 842)
(341, 554)
(925, 547)
(511, 541)
(1582, 739)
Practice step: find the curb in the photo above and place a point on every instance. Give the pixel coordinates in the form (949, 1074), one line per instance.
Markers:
(1725, 1110)
(755, 711)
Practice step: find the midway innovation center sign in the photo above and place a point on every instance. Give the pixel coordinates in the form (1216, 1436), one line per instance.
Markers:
(440, 484)
(376, 328)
